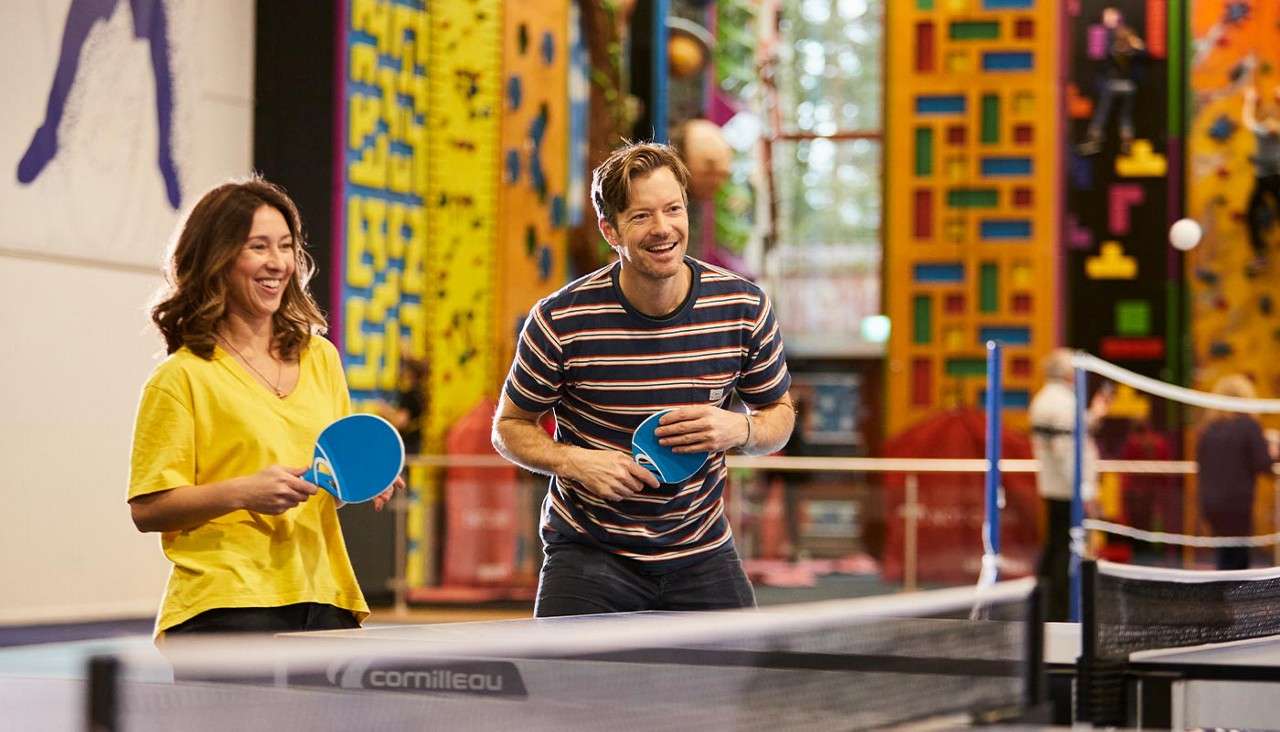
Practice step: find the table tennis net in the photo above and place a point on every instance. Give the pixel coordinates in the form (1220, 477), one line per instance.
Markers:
(1130, 608)
(847, 664)
(1127, 608)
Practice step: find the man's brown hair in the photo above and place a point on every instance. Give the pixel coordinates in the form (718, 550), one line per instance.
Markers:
(611, 180)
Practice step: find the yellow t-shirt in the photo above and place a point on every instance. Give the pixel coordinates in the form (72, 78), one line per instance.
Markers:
(206, 421)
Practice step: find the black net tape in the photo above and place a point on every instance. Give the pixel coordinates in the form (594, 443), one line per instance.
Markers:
(1143, 614)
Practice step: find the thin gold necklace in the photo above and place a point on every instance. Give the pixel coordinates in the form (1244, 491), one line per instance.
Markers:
(279, 367)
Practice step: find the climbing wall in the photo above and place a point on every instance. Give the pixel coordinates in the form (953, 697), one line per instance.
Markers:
(1122, 280)
(380, 212)
(533, 231)
(971, 200)
(416, 268)
(1234, 326)
(464, 88)
(379, 263)
(1121, 277)
(464, 84)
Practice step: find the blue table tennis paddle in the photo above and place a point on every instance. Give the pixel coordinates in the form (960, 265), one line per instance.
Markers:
(667, 466)
(357, 457)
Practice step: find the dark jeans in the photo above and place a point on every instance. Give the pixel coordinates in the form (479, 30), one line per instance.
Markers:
(284, 619)
(578, 580)
(1233, 557)
(1055, 561)
(1230, 523)
(1119, 93)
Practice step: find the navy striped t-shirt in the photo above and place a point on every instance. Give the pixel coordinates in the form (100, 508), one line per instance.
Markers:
(602, 366)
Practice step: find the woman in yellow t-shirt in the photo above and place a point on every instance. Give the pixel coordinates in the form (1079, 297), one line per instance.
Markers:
(227, 423)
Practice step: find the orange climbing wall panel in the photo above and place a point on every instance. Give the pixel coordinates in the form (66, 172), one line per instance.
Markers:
(1234, 324)
(532, 231)
(971, 224)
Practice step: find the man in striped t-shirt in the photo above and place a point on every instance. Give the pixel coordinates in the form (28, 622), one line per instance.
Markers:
(654, 330)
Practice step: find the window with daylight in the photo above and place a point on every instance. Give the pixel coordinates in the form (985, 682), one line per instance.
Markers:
(825, 151)
(826, 147)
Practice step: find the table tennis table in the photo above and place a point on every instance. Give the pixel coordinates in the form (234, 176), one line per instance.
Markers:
(842, 664)
(746, 684)
(1230, 685)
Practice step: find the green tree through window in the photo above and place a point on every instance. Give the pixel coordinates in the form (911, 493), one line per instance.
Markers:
(826, 150)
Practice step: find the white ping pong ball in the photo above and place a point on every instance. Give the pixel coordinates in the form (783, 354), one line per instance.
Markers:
(1184, 235)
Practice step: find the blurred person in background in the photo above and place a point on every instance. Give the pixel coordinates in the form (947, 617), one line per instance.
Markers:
(1150, 499)
(1231, 452)
(1119, 83)
(1053, 418)
(405, 413)
(1265, 196)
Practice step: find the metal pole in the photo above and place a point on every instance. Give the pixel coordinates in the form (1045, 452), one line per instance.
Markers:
(1080, 434)
(994, 393)
(911, 525)
(400, 585)
(658, 67)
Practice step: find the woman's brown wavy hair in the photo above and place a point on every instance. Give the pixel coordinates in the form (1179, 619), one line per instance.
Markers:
(194, 299)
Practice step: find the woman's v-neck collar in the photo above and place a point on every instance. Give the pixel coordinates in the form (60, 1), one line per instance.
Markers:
(243, 373)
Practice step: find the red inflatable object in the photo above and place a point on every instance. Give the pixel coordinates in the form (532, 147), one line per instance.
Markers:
(481, 505)
(949, 538)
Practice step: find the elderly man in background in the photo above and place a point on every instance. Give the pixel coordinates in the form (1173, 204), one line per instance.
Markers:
(1053, 417)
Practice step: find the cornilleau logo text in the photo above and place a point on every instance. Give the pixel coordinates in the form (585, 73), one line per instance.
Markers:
(489, 678)
(440, 679)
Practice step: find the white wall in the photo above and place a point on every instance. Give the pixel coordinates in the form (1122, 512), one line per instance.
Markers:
(80, 253)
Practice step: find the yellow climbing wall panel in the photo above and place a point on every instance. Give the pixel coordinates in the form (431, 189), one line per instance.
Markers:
(463, 89)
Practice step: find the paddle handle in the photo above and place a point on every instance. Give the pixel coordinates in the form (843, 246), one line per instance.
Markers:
(322, 478)
(650, 465)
